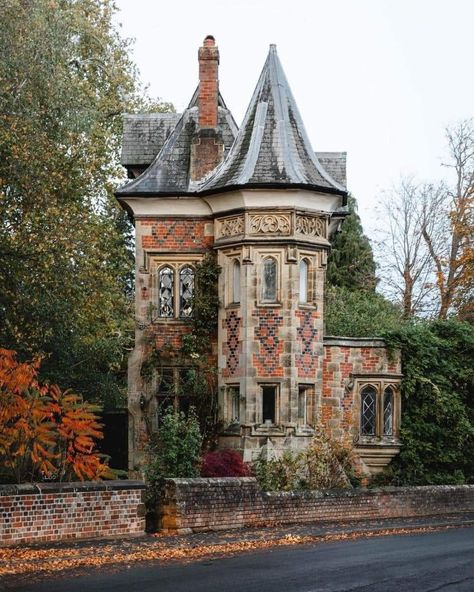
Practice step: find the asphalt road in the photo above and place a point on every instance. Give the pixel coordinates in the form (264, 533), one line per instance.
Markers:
(438, 561)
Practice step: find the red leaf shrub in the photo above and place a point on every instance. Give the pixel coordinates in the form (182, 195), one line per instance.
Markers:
(224, 463)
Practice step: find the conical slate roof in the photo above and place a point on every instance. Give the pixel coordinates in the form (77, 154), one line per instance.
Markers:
(272, 147)
(168, 174)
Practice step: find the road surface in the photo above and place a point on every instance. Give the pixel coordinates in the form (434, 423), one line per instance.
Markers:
(431, 562)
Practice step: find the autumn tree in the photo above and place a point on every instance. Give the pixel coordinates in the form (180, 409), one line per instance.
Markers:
(427, 251)
(450, 245)
(65, 257)
(405, 263)
(45, 433)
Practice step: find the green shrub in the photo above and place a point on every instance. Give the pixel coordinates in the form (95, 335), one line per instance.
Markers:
(174, 451)
(437, 431)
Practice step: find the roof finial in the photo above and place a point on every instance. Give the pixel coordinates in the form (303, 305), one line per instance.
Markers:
(273, 47)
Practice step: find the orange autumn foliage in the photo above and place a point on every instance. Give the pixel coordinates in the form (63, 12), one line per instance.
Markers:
(45, 433)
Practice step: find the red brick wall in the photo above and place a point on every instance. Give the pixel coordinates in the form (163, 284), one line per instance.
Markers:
(307, 360)
(176, 234)
(232, 345)
(269, 342)
(57, 512)
(340, 363)
(208, 504)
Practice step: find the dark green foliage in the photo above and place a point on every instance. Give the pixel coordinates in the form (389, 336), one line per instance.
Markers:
(359, 313)
(174, 451)
(65, 245)
(351, 261)
(205, 307)
(353, 307)
(437, 405)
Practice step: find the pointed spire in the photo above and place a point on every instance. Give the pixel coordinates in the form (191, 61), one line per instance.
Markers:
(272, 147)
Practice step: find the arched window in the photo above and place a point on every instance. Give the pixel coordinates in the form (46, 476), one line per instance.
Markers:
(388, 412)
(304, 267)
(166, 292)
(186, 291)
(269, 280)
(368, 411)
(236, 281)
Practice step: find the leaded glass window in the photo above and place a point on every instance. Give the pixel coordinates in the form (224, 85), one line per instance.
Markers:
(303, 281)
(269, 280)
(186, 291)
(388, 412)
(236, 282)
(368, 411)
(166, 292)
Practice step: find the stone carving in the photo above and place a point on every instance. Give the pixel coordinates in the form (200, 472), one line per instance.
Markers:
(270, 224)
(231, 226)
(310, 226)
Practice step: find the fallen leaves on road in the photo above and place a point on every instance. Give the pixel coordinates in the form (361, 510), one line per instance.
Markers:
(16, 561)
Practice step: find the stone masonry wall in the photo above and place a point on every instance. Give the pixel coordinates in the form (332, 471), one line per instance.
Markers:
(218, 504)
(60, 511)
(345, 359)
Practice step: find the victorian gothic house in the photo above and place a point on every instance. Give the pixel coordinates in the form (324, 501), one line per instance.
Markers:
(267, 204)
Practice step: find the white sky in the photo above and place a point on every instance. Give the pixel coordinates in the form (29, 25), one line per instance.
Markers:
(380, 79)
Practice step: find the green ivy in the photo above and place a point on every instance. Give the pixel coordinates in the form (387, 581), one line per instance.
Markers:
(437, 431)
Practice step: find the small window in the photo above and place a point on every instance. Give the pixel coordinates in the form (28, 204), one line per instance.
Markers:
(269, 404)
(269, 280)
(234, 404)
(305, 397)
(186, 291)
(368, 411)
(236, 282)
(304, 281)
(388, 412)
(166, 292)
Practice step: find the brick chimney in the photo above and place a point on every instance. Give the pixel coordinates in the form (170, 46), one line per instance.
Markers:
(207, 149)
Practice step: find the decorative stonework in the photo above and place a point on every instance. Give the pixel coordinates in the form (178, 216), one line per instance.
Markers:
(310, 226)
(231, 226)
(269, 224)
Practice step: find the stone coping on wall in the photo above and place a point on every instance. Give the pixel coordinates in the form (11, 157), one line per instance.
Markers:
(69, 487)
(195, 505)
(342, 341)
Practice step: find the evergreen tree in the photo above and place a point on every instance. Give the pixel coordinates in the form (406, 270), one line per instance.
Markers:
(351, 262)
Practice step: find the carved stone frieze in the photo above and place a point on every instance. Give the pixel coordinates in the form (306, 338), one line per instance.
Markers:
(269, 224)
(231, 226)
(310, 226)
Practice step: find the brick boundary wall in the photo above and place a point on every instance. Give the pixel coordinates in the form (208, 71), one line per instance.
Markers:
(32, 513)
(192, 505)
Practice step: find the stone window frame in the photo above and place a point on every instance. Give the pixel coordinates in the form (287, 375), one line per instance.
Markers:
(277, 387)
(173, 396)
(277, 256)
(177, 263)
(232, 399)
(311, 259)
(380, 385)
(310, 405)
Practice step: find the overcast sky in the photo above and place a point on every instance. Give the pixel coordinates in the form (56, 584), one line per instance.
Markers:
(379, 79)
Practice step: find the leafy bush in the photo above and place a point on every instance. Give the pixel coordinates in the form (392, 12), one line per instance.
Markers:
(437, 430)
(280, 474)
(224, 463)
(45, 433)
(356, 313)
(174, 451)
(325, 464)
